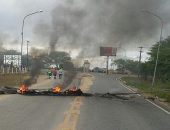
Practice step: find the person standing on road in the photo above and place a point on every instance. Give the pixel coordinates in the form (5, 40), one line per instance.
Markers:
(49, 73)
(55, 73)
(60, 73)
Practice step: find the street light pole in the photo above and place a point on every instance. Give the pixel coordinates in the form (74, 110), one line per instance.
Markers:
(23, 23)
(27, 55)
(22, 40)
(157, 55)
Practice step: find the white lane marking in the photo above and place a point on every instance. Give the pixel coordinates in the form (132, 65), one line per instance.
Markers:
(167, 112)
(147, 100)
(128, 88)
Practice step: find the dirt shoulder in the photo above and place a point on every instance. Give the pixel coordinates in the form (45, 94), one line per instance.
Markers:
(42, 82)
(81, 78)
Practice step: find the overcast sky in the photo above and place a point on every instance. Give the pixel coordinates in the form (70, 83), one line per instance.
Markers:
(13, 11)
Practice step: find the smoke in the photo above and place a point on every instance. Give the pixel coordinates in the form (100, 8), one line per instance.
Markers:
(53, 41)
(68, 78)
(35, 52)
(36, 65)
(35, 71)
(90, 24)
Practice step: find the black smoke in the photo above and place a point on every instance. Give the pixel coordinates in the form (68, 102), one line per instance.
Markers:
(92, 23)
(35, 71)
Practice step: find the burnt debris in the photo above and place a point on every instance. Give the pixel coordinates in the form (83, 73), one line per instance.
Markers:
(68, 92)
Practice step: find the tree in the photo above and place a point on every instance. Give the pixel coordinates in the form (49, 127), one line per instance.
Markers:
(127, 65)
(24, 60)
(146, 69)
(59, 57)
(163, 68)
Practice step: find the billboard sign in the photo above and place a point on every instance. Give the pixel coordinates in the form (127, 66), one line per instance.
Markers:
(14, 59)
(108, 51)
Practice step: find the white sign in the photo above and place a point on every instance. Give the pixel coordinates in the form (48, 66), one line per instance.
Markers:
(12, 59)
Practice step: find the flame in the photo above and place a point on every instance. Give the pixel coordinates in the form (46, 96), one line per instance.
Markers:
(56, 89)
(22, 89)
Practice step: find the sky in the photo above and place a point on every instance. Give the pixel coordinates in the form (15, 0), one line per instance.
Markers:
(81, 27)
(12, 13)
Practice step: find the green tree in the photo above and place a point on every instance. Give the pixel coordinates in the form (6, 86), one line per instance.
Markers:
(59, 57)
(24, 60)
(163, 68)
(146, 69)
(127, 65)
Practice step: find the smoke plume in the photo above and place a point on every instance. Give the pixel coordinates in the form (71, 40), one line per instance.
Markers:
(92, 23)
(36, 65)
(35, 71)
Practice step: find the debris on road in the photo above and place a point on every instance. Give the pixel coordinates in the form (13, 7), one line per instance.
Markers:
(56, 91)
(8, 90)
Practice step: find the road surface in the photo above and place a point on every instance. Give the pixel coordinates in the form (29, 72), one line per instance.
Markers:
(82, 113)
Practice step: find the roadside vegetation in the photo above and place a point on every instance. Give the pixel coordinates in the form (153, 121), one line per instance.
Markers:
(12, 79)
(143, 72)
(161, 90)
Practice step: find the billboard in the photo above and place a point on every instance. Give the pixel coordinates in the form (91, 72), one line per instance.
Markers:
(14, 59)
(108, 51)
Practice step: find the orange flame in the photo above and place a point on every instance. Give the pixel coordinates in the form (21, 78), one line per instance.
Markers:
(22, 89)
(56, 89)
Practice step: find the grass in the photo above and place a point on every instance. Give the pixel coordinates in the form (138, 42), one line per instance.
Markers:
(160, 89)
(11, 79)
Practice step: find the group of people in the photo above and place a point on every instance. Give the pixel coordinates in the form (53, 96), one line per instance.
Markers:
(54, 72)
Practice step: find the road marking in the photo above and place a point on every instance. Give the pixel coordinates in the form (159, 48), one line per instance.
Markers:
(158, 106)
(72, 115)
(146, 99)
(128, 88)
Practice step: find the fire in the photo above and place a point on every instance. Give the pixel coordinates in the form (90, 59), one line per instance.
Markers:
(56, 89)
(22, 89)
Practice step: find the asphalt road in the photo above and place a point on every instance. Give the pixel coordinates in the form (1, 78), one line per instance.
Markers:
(33, 112)
(117, 114)
(82, 113)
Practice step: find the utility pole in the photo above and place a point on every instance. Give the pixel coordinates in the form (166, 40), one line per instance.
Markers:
(140, 57)
(157, 55)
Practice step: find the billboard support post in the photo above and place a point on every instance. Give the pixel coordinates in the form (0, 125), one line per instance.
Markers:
(108, 51)
(107, 65)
